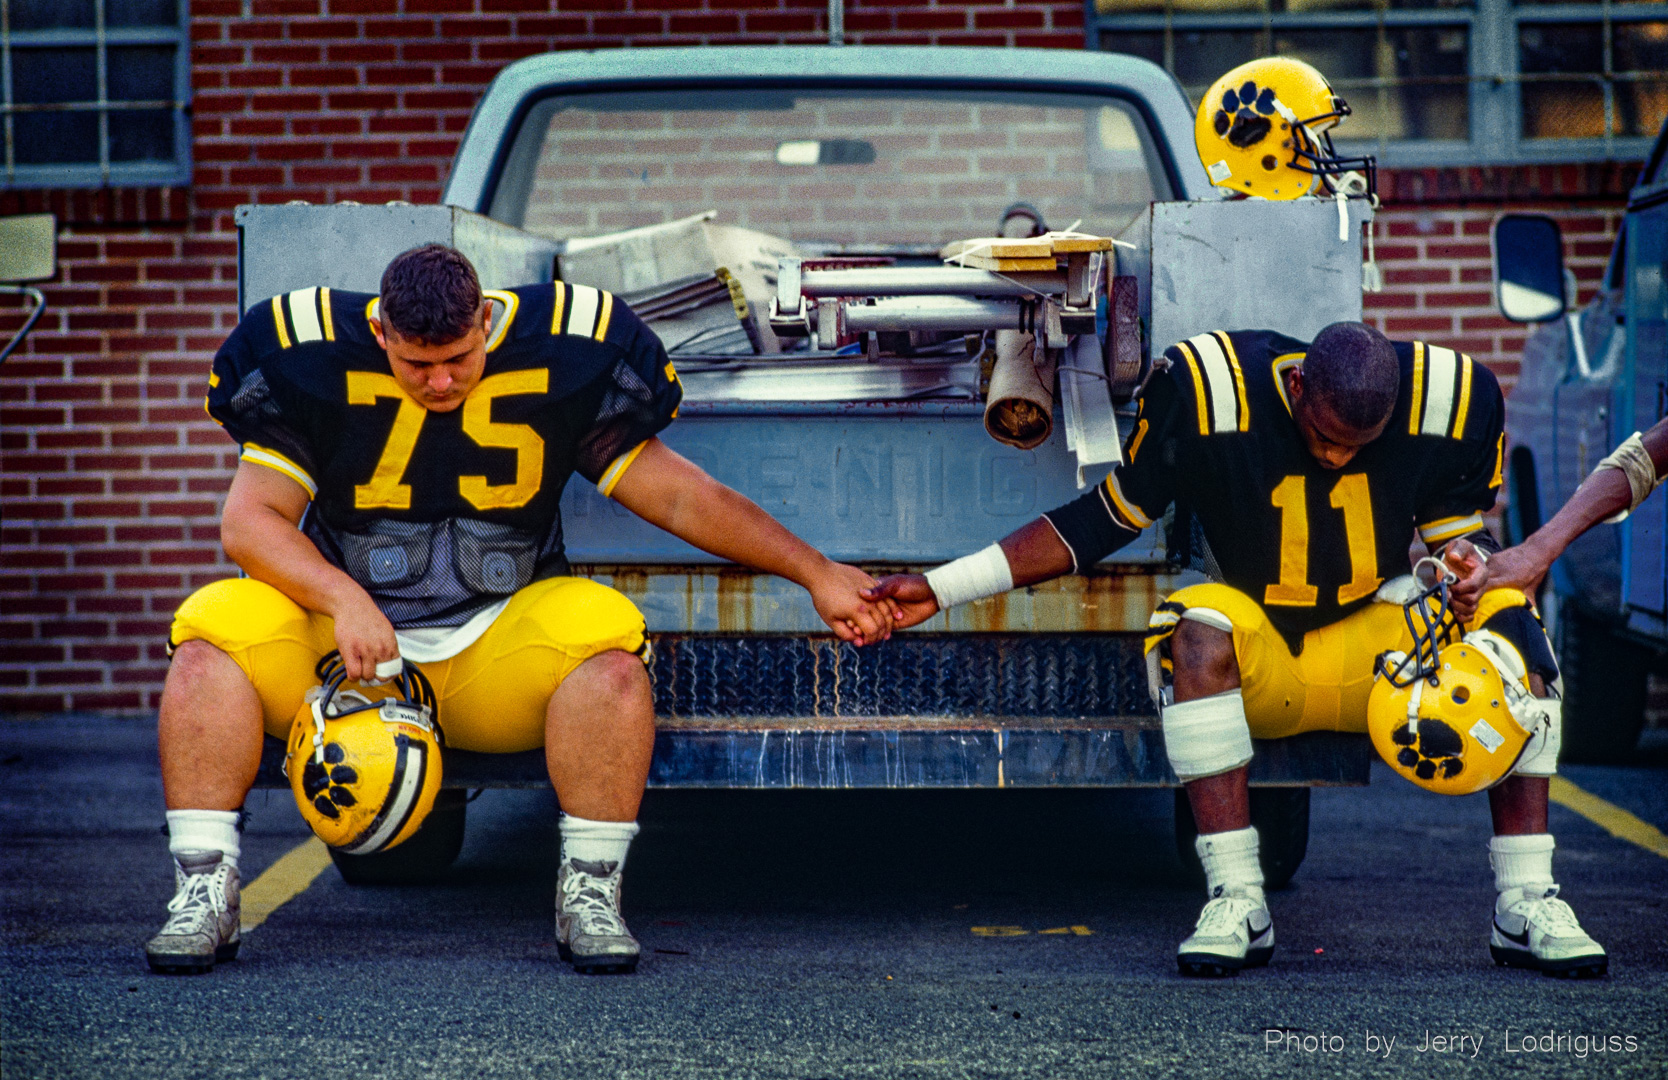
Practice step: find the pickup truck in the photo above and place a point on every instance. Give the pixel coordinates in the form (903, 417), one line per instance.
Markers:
(1590, 377)
(622, 170)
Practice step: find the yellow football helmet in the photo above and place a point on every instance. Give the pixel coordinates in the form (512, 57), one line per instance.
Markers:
(365, 772)
(1453, 717)
(1264, 129)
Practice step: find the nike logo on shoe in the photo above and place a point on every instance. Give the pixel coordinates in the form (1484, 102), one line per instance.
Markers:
(1521, 939)
(1257, 935)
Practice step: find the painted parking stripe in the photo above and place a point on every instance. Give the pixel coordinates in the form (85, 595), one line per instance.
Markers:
(283, 881)
(1609, 817)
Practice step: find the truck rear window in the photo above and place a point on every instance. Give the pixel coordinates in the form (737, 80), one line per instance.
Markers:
(829, 171)
(678, 202)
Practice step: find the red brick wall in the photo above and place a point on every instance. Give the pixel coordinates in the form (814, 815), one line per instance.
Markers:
(110, 476)
(1439, 280)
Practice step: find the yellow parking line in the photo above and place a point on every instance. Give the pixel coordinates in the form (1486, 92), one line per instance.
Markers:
(1609, 817)
(283, 881)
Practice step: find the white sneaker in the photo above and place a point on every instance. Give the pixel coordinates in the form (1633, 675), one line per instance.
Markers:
(204, 917)
(590, 934)
(1234, 931)
(1534, 929)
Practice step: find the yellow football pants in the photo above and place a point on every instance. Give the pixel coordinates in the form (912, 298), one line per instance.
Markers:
(1326, 686)
(492, 695)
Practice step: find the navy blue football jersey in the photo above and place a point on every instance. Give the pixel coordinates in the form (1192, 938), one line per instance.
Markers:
(441, 514)
(1215, 436)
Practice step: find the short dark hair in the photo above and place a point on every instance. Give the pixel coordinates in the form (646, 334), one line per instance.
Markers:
(1352, 369)
(430, 294)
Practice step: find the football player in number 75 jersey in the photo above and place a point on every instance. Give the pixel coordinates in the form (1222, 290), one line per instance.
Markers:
(1311, 468)
(402, 459)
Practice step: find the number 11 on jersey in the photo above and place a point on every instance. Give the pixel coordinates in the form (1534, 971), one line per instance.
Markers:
(1351, 495)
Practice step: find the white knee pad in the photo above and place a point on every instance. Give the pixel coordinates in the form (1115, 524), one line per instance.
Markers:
(1540, 757)
(1207, 736)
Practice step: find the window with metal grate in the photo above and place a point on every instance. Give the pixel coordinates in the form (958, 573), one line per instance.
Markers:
(95, 93)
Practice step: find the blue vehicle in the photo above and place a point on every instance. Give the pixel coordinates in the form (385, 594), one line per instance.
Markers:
(1590, 378)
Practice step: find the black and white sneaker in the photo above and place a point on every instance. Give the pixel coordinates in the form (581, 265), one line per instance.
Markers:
(1234, 931)
(1534, 929)
(204, 917)
(590, 932)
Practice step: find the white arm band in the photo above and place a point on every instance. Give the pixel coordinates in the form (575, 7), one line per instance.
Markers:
(971, 577)
(1635, 463)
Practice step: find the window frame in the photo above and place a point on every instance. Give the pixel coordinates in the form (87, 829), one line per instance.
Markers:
(1493, 62)
(104, 172)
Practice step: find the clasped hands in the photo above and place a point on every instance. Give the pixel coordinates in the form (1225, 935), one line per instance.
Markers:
(861, 610)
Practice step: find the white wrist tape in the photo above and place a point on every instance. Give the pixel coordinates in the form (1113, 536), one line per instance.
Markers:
(971, 577)
(1207, 736)
(1635, 462)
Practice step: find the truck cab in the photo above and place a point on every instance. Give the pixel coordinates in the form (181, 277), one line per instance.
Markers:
(1590, 377)
(694, 185)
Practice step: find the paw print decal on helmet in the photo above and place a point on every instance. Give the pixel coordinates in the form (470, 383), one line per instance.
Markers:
(1243, 118)
(1435, 748)
(325, 782)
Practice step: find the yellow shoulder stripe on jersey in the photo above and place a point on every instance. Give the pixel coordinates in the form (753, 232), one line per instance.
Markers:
(1239, 378)
(1445, 529)
(272, 459)
(1224, 384)
(373, 310)
(611, 475)
(1278, 368)
(558, 307)
(324, 311)
(1198, 385)
(604, 316)
(214, 379)
(1499, 476)
(278, 321)
(1418, 388)
(1127, 513)
(1442, 377)
(501, 329)
(1464, 406)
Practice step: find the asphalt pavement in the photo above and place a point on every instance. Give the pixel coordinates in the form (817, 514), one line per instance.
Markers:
(818, 934)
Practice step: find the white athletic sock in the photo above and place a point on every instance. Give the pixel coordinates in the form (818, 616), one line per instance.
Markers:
(204, 830)
(1519, 861)
(1230, 860)
(596, 841)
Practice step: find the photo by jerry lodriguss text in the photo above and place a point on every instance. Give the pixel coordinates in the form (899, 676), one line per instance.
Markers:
(1464, 1044)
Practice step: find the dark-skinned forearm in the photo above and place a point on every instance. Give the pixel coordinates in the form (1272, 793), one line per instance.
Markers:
(1602, 495)
(1036, 553)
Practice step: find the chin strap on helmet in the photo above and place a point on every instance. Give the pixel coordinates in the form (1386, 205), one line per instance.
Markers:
(1432, 623)
(412, 686)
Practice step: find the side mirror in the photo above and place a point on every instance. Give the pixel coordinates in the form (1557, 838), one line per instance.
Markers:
(1529, 268)
(28, 248)
(28, 252)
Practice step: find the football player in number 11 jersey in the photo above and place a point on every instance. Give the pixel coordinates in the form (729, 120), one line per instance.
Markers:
(1311, 469)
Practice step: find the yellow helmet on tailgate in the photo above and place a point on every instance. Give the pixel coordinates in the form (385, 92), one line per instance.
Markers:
(1452, 717)
(364, 772)
(1264, 129)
